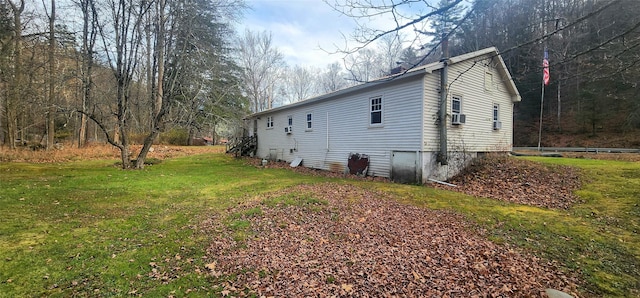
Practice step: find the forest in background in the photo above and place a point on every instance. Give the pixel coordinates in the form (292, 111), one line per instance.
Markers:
(142, 71)
(592, 98)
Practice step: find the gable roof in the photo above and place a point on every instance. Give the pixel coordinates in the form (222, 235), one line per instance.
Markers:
(421, 70)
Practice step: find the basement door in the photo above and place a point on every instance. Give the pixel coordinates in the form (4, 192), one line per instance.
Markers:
(404, 166)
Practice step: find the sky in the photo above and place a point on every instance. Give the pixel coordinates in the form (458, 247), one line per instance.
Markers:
(305, 31)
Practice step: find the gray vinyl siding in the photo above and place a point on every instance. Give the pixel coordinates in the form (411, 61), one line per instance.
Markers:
(341, 126)
(467, 80)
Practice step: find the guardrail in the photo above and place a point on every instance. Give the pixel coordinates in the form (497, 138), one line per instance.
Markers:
(578, 149)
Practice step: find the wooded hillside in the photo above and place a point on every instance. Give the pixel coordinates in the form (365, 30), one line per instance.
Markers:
(138, 71)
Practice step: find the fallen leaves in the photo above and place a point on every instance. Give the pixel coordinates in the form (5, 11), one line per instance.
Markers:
(326, 249)
(498, 177)
(518, 181)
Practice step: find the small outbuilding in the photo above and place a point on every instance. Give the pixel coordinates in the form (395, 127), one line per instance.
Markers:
(398, 122)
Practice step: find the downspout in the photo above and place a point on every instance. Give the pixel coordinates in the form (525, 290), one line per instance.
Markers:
(326, 152)
(442, 115)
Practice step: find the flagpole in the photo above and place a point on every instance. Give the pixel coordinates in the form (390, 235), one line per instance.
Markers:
(545, 81)
(541, 108)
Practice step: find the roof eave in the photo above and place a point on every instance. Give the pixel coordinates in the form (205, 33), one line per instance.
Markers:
(408, 74)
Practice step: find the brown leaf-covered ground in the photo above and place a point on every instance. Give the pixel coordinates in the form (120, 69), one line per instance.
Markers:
(95, 151)
(498, 177)
(339, 240)
(519, 181)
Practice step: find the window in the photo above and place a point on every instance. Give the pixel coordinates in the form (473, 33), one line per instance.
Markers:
(376, 111)
(456, 103)
(309, 119)
(457, 117)
(270, 122)
(290, 121)
(496, 117)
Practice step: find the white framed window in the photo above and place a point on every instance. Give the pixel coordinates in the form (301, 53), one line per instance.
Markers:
(375, 104)
(269, 121)
(289, 120)
(309, 121)
(456, 104)
(457, 117)
(496, 117)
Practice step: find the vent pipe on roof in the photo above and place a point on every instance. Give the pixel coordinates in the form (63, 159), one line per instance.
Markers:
(442, 113)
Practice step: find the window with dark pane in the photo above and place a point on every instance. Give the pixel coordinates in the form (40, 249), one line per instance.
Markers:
(455, 105)
(376, 110)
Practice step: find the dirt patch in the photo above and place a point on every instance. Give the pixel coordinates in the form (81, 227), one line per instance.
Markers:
(519, 181)
(339, 240)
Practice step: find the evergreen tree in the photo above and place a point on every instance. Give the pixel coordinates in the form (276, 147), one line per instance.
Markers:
(444, 23)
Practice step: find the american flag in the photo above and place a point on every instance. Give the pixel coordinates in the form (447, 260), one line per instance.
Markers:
(545, 67)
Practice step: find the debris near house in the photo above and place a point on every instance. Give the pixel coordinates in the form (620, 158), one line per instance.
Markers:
(257, 162)
(332, 240)
(358, 164)
(296, 162)
(518, 181)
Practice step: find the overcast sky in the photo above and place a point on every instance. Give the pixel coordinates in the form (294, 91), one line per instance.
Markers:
(303, 30)
(306, 31)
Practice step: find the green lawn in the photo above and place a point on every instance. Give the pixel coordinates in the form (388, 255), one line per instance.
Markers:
(92, 229)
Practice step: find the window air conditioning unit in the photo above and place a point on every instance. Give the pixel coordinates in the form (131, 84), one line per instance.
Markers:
(457, 119)
(288, 129)
(497, 125)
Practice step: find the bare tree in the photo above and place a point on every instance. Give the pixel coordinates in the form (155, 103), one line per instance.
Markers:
(5, 46)
(332, 79)
(390, 51)
(51, 77)
(364, 65)
(15, 86)
(158, 104)
(299, 83)
(195, 80)
(261, 63)
(125, 19)
(89, 34)
(414, 20)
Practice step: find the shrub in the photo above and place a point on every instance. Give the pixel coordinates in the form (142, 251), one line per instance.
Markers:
(176, 136)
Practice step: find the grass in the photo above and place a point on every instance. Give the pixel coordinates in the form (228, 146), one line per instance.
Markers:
(87, 228)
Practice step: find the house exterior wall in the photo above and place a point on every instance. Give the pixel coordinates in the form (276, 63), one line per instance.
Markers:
(341, 126)
(341, 122)
(479, 85)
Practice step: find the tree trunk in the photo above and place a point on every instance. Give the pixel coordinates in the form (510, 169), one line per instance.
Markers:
(51, 114)
(15, 88)
(88, 42)
(158, 108)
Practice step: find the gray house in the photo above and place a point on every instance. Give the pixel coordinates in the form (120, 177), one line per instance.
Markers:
(395, 122)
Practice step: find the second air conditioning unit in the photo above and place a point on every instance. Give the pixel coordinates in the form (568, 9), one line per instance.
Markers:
(457, 119)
